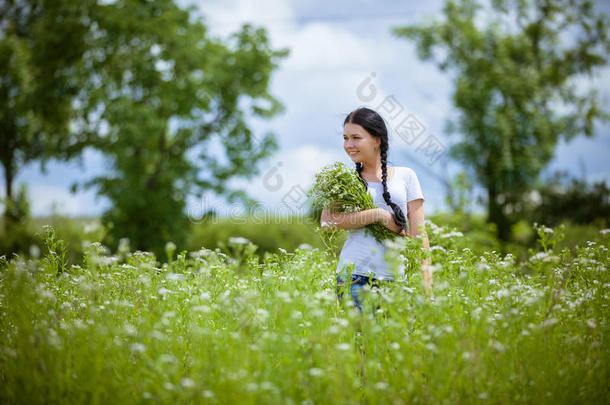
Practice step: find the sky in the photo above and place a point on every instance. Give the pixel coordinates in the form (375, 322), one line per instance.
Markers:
(342, 56)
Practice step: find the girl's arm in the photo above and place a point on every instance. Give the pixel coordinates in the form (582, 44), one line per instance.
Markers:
(349, 220)
(416, 225)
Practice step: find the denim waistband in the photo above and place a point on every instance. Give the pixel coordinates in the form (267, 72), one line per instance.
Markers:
(360, 279)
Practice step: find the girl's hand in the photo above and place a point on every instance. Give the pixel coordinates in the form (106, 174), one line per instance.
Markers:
(386, 218)
(427, 275)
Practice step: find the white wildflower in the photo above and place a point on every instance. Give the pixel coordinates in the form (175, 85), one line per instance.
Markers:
(187, 382)
(502, 293)
(267, 385)
(498, 346)
(550, 322)
(238, 240)
(174, 276)
(167, 358)
(381, 385)
(316, 372)
(452, 234)
(137, 348)
(202, 308)
(483, 266)
(53, 338)
(130, 329)
(34, 251)
(431, 346)
(343, 346)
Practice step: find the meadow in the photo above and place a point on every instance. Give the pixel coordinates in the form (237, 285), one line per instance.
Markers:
(214, 326)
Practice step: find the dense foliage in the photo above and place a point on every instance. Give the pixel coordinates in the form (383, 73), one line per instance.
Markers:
(212, 328)
(145, 84)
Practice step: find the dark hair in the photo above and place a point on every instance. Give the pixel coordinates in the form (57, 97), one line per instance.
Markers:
(373, 123)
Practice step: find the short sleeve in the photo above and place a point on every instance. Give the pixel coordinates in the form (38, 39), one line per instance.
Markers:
(412, 184)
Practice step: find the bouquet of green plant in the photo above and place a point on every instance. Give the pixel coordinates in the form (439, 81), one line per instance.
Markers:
(340, 189)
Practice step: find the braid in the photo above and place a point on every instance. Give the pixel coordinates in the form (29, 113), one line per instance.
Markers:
(399, 216)
(359, 170)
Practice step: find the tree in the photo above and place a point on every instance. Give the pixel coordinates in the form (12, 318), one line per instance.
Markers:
(161, 90)
(515, 88)
(41, 47)
(565, 198)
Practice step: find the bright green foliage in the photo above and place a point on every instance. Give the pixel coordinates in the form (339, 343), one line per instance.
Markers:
(15, 235)
(268, 234)
(55, 259)
(515, 87)
(339, 188)
(42, 44)
(577, 200)
(210, 329)
(169, 104)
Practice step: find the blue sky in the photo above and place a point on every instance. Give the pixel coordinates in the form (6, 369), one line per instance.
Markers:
(335, 47)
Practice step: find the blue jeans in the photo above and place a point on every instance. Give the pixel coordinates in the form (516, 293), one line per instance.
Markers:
(357, 284)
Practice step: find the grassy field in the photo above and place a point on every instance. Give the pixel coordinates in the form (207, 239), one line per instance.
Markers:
(291, 232)
(210, 327)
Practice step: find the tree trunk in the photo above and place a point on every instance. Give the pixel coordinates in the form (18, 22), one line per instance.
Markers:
(9, 177)
(496, 215)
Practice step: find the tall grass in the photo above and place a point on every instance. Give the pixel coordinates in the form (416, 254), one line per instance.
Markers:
(215, 328)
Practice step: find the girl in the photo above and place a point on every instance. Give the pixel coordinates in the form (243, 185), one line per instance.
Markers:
(365, 140)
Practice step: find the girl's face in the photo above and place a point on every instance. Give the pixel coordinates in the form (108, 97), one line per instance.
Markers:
(359, 144)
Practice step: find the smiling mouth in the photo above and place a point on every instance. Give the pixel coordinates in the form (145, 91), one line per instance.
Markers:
(353, 153)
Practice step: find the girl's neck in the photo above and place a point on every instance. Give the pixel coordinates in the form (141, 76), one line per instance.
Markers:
(370, 168)
(375, 173)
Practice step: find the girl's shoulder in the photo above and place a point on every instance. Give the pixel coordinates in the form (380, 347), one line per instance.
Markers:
(405, 172)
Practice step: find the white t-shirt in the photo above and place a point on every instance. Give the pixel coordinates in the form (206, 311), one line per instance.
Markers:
(362, 249)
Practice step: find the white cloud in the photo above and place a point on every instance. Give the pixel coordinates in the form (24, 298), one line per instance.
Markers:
(49, 199)
(225, 17)
(324, 47)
